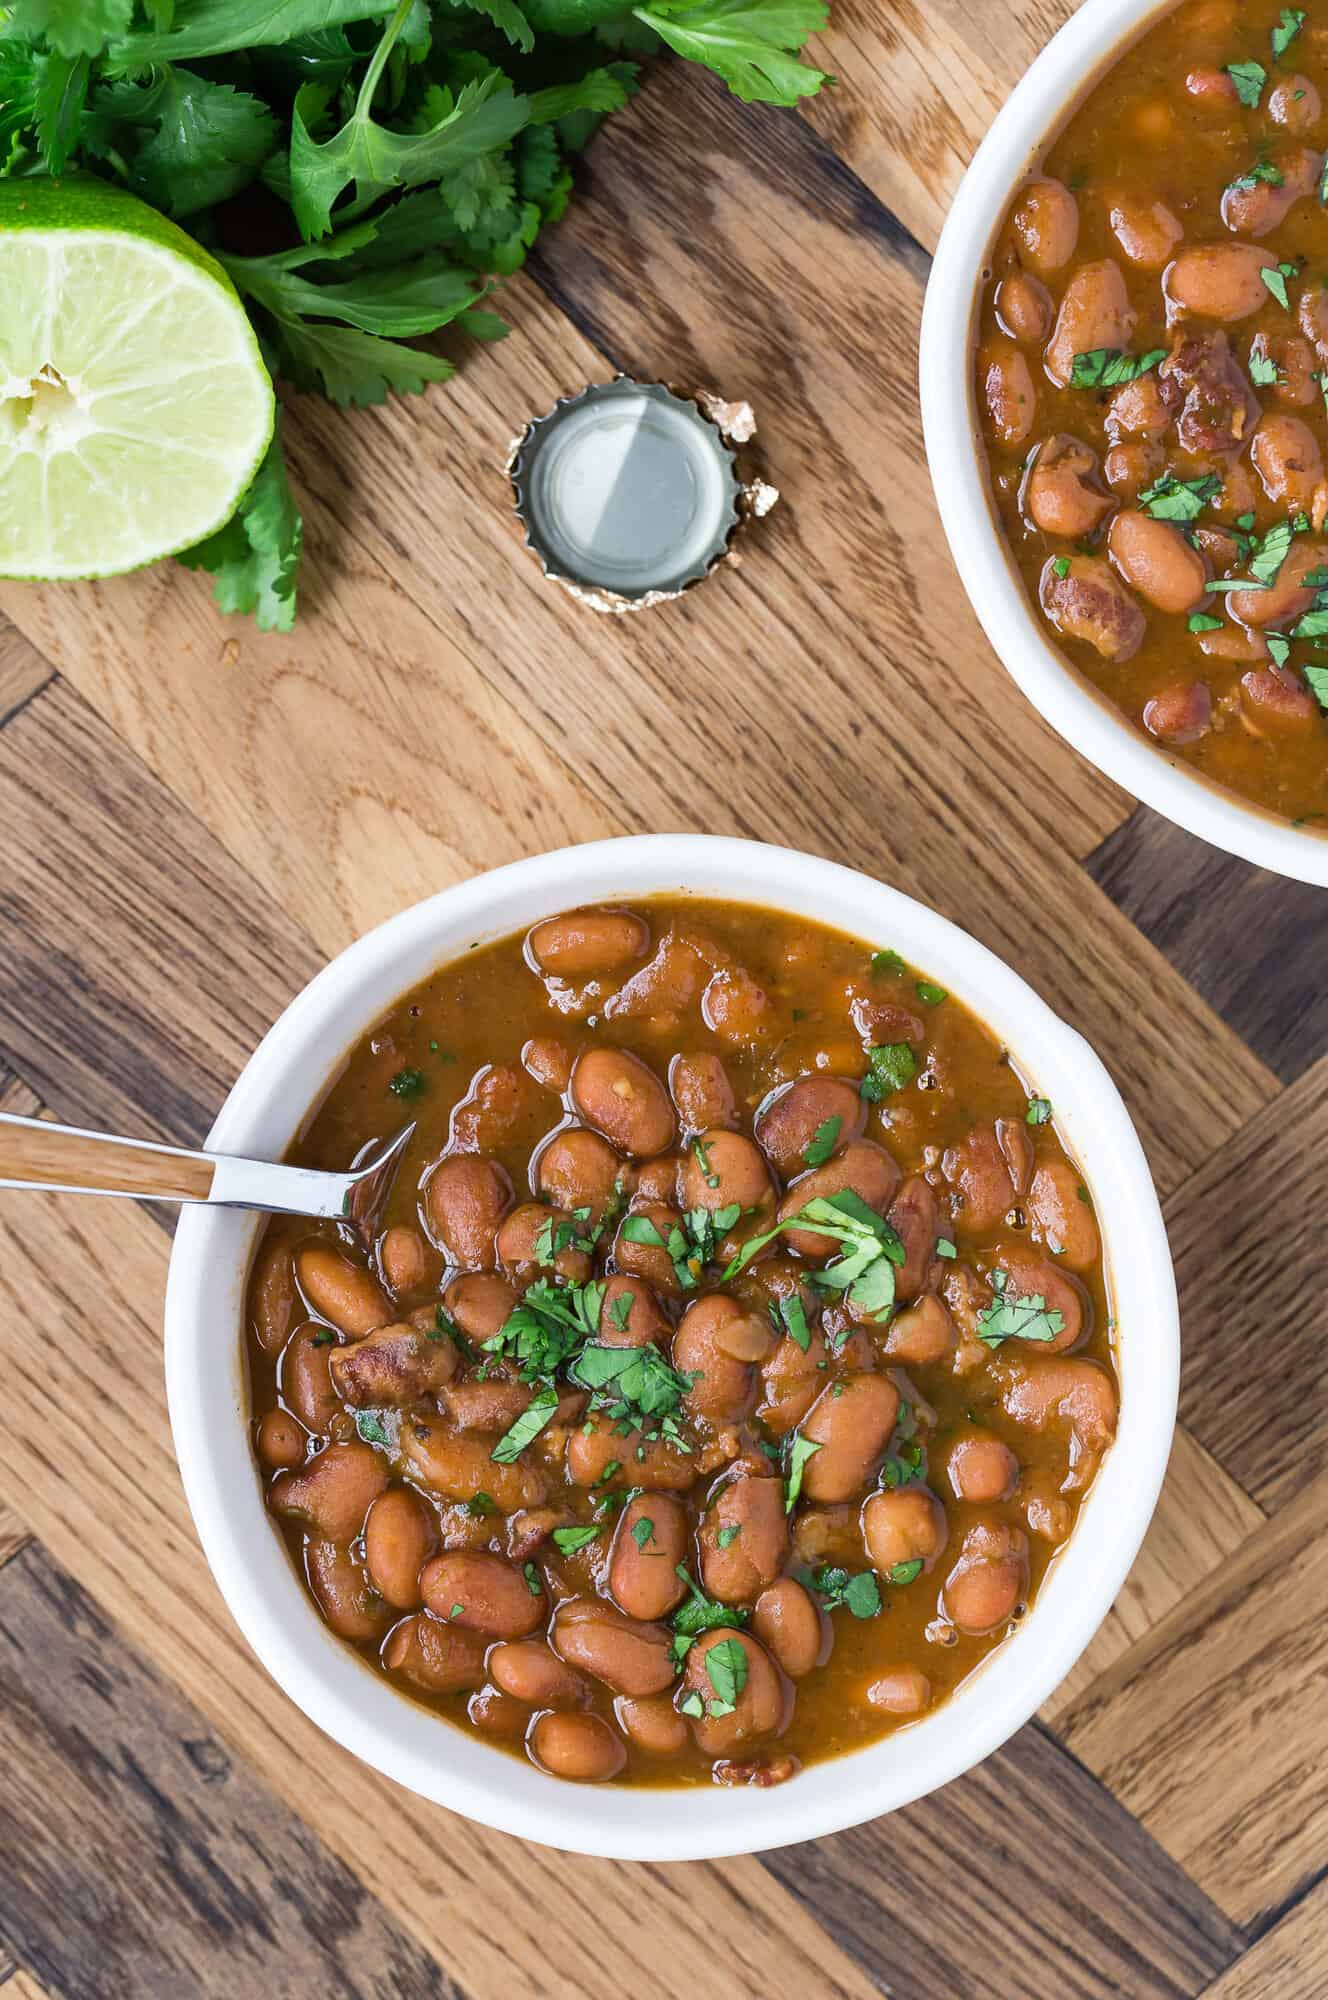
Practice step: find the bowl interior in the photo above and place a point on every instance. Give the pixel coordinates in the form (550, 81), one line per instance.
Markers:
(209, 1399)
(1072, 62)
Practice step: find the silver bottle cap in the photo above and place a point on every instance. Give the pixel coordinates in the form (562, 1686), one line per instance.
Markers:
(627, 491)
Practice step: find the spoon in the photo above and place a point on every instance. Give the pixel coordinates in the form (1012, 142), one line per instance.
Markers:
(61, 1159)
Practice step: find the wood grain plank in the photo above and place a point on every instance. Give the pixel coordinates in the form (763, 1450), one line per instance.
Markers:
(1202, 1518)
(13, 1535)
(142, 965)
(1192, 901)
(1252, 1266)
(22, 671)
(1211, 1730)
(1290, 1962)
(22, 1986)
(137, 1857)
(919, 86)
(88, 1448)
(1123, 1920)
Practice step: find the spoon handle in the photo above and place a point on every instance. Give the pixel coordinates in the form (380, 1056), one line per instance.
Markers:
(62, 1159)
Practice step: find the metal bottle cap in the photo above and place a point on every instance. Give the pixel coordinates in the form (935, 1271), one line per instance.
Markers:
(627, 492)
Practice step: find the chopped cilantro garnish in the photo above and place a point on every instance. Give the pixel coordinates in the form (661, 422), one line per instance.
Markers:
(1263, 369)
(929, 994)
(371, 1427)
(891, 1066)
(859, 1594)
(407, 1083)
(901, 1573)
(1038, 1112)
(823, 1143)
(537, 1413)
(791, 1318)
(1287, 28)
(945, 1248)
(569, 1540)
(887, 961)
(726, 1670)
(1202, 621)
(1249, 79)
(1172, 499)
(1317, 677)
(1105, 367)
(864, 1269)
(643, 1531)
(728, 1536)
(1276, 281)
(1009, 1318)
(800, 1450)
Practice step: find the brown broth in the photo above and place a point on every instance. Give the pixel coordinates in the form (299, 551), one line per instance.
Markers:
(1139, 135)
(482, 1009)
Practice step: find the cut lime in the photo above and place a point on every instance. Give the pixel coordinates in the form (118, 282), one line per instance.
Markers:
(134, 404)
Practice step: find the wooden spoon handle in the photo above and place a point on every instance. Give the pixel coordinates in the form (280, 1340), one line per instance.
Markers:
(35, 1154)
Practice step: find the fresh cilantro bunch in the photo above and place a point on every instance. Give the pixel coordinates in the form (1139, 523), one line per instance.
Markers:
(363, 169)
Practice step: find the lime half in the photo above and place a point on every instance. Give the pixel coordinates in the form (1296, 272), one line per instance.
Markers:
(134, 404)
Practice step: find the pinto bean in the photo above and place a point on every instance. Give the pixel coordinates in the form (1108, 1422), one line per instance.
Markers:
(1071, 1395)
(398, 1366)
(1030, 1276)
(981, 1468)
(1274, 702)
(737, 1009)
(579, 1169)
(529, 1672)
(978, 1171)
(629, 1655)
(762, 1706)
(1295, 361)
(1285, 454)
(1023, 307)
(1138, 409)
(586, 942)
(743, 1538)
(405, 1259)
(1180, 714)
(1254, 207)
(1129, 468)
(465, 1198)
(989, 1579)
(1062, 492)
(531, 1230)
(459, 1466)
(616, 1094)
(1045, 222)
(581, 1747)
(921, 1334)
(1213, 89)
(653, 1724)
(900, 1691)
(549, 1061)
(342, 1292)
(866, 1168)
(635, 1324)
(657, 1180)
(903, 1524)
(647, 1260)
(272, 1295)
(1288, 595)
(498, 1102)
(914, 1215)
(305, 1381)
(351, 1606)
(725, 1387)
(332, 1493)
(1219, 281)
(1008, 391)
(651, 1463)
(1218, 408)
(1095, 311)
(1084, 600)
(398, 1541)
(1061, 1217)
(442, 1658)
(1294, 104)
(792, 1627)
(1147, 231)
(792, 1379)
(279, 1441)
(494, 1404)
(648, 1544)
(702, 1093)
(851, 1421)
(667, 986)
(481, 1302)
(1156, 560)
(789, 1122)
(722, 1167)
(483, 1593)
(878, 1021)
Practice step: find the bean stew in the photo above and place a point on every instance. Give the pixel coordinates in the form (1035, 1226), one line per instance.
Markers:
(728, 1365)
(1152, 364)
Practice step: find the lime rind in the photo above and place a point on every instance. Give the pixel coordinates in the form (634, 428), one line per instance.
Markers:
(135, 408)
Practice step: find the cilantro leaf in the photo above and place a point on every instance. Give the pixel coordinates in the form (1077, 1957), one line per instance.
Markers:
(1287, 28)
(1317, 677)
(255, 556)
(569, 1540)
(219, 27)
(537, 1413)
(1249, 79)
(790, 1317)
(1172, 499)
(747, 42)
(187, 143)
(371, 1427)
(699, 1613)
(726, 1670)
(891, 1065)
(800, 1450)
(71, 27)
(1038, 1112)
(859, 1593)
(1104, 367)
(58, 105)
(1016, 1318)
(823, 1142)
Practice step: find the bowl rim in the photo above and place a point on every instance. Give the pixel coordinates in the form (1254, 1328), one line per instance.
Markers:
(208, 1399)
(1034, 112)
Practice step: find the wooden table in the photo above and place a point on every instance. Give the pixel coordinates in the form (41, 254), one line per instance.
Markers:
(195, 816)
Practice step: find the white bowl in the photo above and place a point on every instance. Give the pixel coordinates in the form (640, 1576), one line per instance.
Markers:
(206, 1384)
(1049, 91)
